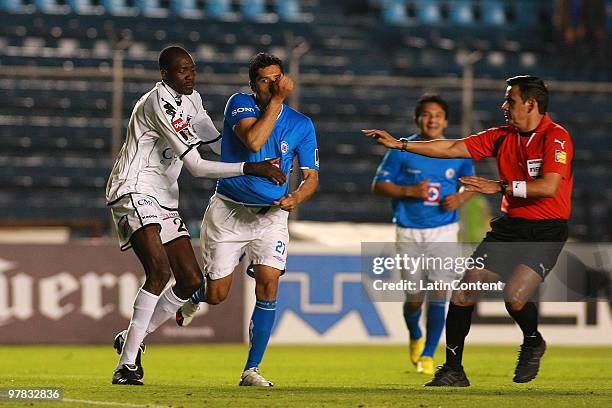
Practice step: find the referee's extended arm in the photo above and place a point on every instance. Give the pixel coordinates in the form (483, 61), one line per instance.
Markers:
(440, 148)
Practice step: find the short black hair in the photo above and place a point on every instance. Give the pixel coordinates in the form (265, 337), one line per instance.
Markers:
(430, 98)
(531, 87)
(169, 54)
(262, 60)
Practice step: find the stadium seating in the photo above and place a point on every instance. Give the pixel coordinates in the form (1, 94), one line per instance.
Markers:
(55, 133)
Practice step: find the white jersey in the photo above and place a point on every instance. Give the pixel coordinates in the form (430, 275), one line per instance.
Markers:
(163, 128)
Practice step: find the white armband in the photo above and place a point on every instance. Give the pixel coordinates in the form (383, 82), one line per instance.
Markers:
(519, 189)
(199, 167)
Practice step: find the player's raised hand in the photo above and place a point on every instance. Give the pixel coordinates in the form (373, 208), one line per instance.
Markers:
(288, 202)
(480, 185)
(383, 137)
(282, 87)
(270, 169)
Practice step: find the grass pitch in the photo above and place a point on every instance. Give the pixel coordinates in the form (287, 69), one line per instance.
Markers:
(306, 376)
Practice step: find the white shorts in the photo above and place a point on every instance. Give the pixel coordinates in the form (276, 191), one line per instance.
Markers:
(436, 236)
(133, 211)
(230, 229)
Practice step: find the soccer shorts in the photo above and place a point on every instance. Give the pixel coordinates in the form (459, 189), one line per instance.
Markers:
(513, 241)
(133, 211)
(230, 229)
(438, 242)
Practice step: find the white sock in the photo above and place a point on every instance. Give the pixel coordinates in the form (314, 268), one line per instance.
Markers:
(144, 304)
(166, 307)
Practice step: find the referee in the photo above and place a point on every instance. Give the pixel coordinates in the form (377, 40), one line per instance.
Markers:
(534, 158)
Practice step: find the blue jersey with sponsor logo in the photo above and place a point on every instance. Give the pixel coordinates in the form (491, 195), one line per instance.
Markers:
(293, 134)
(406, 169)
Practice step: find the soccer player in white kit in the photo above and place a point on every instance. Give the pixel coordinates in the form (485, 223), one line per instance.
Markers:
(165, 129)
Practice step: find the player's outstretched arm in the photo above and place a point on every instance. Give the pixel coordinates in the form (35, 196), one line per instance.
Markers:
(307, 188)
(440, 148)
(199, 167)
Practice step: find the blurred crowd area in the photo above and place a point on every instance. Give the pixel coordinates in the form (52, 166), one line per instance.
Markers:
(358, 64)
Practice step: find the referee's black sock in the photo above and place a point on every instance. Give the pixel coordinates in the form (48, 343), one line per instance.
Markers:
(527, 319)
(458, 322)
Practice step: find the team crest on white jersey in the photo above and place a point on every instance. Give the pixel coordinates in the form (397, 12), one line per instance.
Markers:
(449, 173)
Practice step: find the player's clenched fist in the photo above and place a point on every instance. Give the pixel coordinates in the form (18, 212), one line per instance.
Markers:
(269, 169)
(282, 87)
(288, 202)
(419, 190)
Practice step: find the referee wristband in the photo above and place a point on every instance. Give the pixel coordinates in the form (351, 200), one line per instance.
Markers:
(519, 189)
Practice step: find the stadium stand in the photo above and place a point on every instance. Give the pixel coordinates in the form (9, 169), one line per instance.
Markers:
(56, 133)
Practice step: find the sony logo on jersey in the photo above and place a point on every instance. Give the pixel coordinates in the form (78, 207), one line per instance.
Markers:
(241, 110)
(534, 167)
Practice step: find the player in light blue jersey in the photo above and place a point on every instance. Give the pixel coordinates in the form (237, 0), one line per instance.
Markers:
(249, 216)
(425, 199)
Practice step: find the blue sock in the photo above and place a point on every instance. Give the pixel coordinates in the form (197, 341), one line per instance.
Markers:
(260, 329)
(198, 295)
(412, 322)
(435, 325)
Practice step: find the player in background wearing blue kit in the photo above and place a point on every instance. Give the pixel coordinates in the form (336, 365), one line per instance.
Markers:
(425, 202)
(247, 215)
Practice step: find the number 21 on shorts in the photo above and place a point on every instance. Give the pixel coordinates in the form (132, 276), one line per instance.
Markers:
(281, 247)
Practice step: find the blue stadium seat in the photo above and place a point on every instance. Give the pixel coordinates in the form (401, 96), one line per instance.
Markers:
(461, 12)
(493, 12)
(253, 9)
(429, 12)
(185, 8)
(118, 7)
(218, 8)
(288, 10)
(394, 11)
(11, 6)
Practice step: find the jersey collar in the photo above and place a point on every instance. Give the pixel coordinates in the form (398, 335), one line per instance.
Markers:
(178, 97)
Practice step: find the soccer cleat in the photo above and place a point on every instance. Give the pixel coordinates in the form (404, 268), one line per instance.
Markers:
(425, 365)
(118, 346)
(186, 313)
(252, 378)
(528, 363)
(127, 374)
(447, 376)
(416, 348)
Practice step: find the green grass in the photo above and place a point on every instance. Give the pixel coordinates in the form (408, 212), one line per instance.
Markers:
(308, 376)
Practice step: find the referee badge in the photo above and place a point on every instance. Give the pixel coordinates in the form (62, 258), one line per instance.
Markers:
(560, 156)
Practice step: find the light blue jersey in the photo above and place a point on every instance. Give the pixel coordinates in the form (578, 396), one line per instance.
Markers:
(293, 134)
(406, 169)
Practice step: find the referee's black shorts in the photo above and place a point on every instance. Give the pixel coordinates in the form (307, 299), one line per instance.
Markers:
(513, 241)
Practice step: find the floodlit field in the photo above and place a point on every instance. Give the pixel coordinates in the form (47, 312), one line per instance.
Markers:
(306, 376)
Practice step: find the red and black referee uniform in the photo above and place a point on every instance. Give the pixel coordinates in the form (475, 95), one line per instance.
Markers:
(526, 157)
